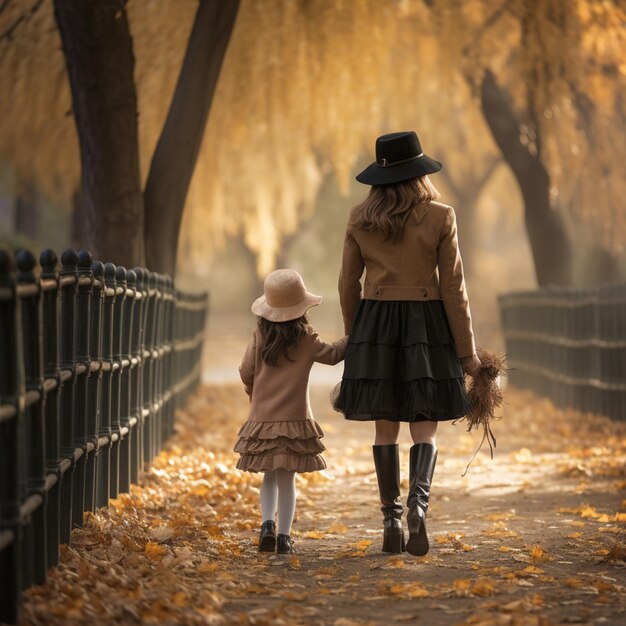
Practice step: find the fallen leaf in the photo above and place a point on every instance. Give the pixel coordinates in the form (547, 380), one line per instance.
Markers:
(364, 544)
(154, 551)
(337, 528)
(314, 534)
(179, 599)
(161, 533)
(538, 554)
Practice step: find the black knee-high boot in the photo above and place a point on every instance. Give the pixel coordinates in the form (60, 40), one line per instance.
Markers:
(387, 463)
(421, 470)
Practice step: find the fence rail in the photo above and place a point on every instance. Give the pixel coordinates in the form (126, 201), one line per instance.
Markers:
(569, 345)
(94, 359)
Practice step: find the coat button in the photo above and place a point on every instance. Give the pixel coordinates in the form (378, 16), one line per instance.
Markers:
(378, 292)
(425, 293)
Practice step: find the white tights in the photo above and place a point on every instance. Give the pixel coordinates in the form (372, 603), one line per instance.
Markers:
(278, 491)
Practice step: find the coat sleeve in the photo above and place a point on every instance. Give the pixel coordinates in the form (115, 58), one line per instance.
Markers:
(246, 369)
(352, 266)
(453, 291)
(328, 353)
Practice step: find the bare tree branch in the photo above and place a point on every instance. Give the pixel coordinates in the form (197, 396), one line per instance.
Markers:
(487, 24)
(25, 17)
(471, 185)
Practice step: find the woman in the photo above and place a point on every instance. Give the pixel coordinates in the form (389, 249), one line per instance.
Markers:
(410, 329)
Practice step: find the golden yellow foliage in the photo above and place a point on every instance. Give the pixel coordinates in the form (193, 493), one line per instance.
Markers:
(295, 103)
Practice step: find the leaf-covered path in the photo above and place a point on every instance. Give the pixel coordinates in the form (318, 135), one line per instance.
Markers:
(530, 538)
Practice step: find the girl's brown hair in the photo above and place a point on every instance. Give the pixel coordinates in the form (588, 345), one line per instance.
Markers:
(278, 337)
(388, 207)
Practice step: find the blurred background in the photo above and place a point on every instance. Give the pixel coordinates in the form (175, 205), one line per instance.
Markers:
(218, 140)
(522, 101)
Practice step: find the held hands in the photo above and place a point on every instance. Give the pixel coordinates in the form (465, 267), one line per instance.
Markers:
(471, 365)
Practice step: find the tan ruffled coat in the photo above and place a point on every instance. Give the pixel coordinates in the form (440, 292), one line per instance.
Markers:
(281, 431)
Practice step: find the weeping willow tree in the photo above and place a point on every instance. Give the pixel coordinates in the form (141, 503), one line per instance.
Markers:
(120, 221)
(306, 86)
(550, 90)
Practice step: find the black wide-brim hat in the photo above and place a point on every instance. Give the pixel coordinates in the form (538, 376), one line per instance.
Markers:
(399, 157)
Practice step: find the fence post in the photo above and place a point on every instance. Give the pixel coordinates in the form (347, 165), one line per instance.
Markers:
(148, 368)
(104, 458)
(68, 281)
(94, 391)
(126, 420)
(11, 414)
(612, 336)
(167, 359)
(52, 384)
(116, 380)
(34, 442)
(160, 351)
(137, 349)
(82, 370)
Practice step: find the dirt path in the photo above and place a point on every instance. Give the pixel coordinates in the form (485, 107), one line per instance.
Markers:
(530, 538)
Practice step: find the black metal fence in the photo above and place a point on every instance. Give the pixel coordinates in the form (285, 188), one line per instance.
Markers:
(94, 360)
(569, 345)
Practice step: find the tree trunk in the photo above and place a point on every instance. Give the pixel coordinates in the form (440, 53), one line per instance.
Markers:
(549, 241)
(99, 56)
(176, 153)
(77, 236)
(26, 211)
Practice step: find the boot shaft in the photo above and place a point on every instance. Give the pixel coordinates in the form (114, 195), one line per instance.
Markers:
(387, 464)
(423, 457)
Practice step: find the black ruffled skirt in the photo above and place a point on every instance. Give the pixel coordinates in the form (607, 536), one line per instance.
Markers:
(401, 365)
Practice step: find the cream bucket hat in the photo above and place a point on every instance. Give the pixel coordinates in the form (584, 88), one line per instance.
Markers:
(285, 298)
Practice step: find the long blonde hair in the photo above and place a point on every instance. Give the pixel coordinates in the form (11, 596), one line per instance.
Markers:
(388, 207)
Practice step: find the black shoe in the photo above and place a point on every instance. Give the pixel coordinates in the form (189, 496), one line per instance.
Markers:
(285, 545)
(421, 470)
(387, 463)
(267, 538)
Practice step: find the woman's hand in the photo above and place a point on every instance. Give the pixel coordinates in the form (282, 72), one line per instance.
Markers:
(471, 365)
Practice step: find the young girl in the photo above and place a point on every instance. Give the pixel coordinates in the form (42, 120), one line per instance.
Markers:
(281, 437)
(411, 333)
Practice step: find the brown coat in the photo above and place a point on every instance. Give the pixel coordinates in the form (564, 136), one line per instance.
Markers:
(424, 265)
(280, 393)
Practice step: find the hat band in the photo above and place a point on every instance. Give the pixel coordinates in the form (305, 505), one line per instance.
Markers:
(385, 163)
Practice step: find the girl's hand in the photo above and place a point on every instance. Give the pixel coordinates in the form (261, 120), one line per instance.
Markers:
(471, 365)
